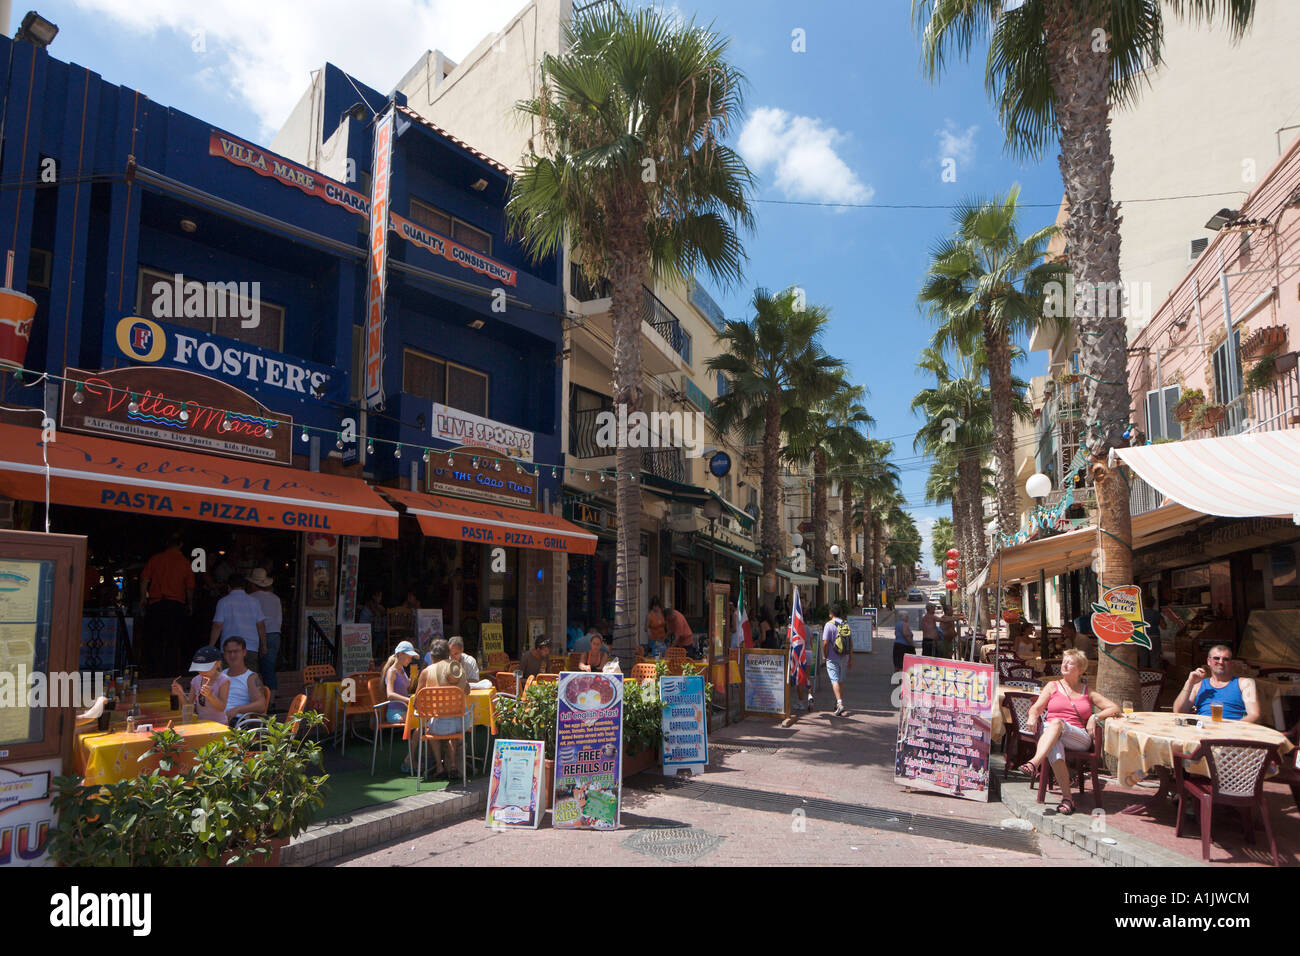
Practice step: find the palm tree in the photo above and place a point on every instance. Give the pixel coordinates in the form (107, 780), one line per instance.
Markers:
(876, 480)
(987, 281)
(774, 362)
(634, 174)
(1055, 67)
(827, 431)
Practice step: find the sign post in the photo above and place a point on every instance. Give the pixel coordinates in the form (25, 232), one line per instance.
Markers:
(685, 731)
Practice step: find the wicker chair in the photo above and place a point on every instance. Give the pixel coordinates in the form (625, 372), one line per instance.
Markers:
(1084, 762)
(1237, 770)
(1288, 771)
(1052, 668)
(1153, 682)
(1029, 686)
(1280, 672)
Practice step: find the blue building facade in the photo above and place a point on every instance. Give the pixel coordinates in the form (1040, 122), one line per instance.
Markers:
(153, 241)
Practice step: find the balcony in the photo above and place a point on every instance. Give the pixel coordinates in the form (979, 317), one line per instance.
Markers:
(667, 463)
(1142, 497)
(670, 342)
(660, 318)
(1272, 408)
(583, 427)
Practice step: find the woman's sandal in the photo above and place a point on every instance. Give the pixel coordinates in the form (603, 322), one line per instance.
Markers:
(1065, 807)
(1029, 768)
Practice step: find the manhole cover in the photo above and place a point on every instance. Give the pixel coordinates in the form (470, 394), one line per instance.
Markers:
(676, 844)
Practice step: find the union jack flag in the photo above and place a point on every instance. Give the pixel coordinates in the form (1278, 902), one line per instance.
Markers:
(798, 643)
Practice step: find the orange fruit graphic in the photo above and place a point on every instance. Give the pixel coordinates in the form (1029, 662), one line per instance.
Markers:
(1112, 629)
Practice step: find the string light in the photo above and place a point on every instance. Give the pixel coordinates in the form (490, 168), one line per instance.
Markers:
(77, 396)
(426, 456)
(449, 461)
(305, 436)
(498, 464)
(338, 441)
(185, 411)
(133, 405)
(397, 452)
(370, 447)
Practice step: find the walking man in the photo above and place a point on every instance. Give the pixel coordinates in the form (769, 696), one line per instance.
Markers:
(903, 644)
(274, 613)
(238, 615)
(166, 600)
(837, 646)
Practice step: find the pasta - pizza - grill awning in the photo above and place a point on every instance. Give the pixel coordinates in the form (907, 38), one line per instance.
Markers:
(462, 520)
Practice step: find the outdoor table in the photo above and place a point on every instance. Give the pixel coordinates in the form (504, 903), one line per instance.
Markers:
(114, 755)
(1148, 741)
(1270, 693)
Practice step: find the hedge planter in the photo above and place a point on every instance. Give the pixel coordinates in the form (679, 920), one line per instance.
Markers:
(635, 763)
(1209, 416)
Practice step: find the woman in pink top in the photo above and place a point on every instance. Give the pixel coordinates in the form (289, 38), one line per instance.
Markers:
(1071, 720)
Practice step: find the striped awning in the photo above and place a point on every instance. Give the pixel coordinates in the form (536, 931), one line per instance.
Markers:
(1241, 476)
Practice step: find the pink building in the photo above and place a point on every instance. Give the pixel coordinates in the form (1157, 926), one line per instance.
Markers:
(1252, 262)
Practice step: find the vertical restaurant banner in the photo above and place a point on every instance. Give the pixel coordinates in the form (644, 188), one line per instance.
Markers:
(428, 626)
(588, 751)
(380, 172)
(685, 732)
(491, 640)
(515, 785)
(763, 680)
(945, 727)
(356, 647)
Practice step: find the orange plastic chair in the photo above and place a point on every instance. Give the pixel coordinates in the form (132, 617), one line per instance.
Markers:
(379, 697)
(313, 674)
(558, 665)
(434, 702)
(506, 682)
(362, 706)
(541, 679)
(641, 671)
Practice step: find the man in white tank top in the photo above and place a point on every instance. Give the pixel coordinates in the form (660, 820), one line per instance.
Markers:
(246, 693)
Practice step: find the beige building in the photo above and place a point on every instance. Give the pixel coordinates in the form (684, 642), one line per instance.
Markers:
(1210, 121)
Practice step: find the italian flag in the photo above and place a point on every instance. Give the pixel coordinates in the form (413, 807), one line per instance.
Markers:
(742, 618)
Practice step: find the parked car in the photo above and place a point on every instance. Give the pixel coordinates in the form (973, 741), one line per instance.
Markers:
(915, 595)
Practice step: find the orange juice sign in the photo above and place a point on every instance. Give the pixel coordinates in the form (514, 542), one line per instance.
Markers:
(1118, 618)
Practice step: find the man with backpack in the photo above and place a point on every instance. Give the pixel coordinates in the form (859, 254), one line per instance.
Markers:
(837, 645)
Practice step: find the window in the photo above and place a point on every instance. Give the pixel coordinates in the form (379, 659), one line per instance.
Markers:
(222, 309)
(1226, 385)
(39, 263)
(447, 225)
(437, 380)
(1168, 426)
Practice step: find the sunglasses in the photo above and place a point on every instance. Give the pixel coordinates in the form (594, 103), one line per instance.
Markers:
(1221, 659)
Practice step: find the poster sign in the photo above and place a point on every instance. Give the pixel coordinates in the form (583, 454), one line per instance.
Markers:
(863, 629)
(945, 727)
(1117, 618)
(536, 628)
(474, 473)
(380, 169)
(763, 680)
(462, 428)
(588, 751)
(428, 626)
(356, 647)
(515, 786)
(685, 733)
(26, 812)
(445, 248)
(491, 640)
(235, 150)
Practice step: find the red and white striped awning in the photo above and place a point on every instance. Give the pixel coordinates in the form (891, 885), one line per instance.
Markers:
(1242, 476)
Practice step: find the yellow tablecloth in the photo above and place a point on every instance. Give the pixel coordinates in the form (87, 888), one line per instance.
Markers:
(1148, 740)
(324, 700)
(1270, 692)
(114, 756)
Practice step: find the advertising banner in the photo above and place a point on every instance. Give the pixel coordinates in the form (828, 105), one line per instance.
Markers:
(356, 648)
(473, 473)
(380, 171)
(428, 627)
(236, 151)
(445, 248)
(945, 727)
(763, 680)
(491, 641)
(515, 786)
(685, 731)
(26, 811)
(588, 752)
(462, 428)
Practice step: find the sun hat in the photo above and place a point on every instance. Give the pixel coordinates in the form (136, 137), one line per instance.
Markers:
(204, 658)
(260, 578)
(406, 647)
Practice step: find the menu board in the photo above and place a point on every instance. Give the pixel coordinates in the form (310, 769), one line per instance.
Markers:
(685, 731)
(763, 679)
(588, 751)
(26, 589)
(491, 641)
(356, 648)
(945, 727)
(515, 787)
(863, 630)
(428, 626)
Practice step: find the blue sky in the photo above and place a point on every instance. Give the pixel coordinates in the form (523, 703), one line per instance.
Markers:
(850, 119)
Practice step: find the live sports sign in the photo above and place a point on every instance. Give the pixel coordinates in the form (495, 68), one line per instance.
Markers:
(175, 408)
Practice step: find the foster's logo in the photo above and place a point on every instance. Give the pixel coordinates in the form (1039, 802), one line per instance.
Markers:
(141, 339)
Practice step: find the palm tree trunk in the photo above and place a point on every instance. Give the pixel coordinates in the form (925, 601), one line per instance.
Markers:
(770, 534)
(1080, 79)
(821, 529)
(872, 584)
(846, 535)
(625, 309)
(998, 348)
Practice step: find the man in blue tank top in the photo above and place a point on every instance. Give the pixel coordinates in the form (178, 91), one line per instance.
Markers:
(1236, 694)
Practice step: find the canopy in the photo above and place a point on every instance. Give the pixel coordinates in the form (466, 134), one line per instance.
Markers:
(462, 520)
(143, 479)
(807, 580)
(1241, 476)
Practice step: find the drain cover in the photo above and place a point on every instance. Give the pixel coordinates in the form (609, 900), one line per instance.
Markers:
(675, 844)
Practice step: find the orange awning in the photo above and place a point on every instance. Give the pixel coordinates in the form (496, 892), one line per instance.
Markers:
(462, 520)
(166, 482)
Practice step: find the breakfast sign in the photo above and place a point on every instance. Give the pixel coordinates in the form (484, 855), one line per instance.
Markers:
(588, 751)
(177, 409)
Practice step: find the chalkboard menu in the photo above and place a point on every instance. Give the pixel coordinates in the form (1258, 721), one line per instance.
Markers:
(945, 726)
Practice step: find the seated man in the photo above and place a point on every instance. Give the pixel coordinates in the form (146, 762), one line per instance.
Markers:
(534, 662)
(208, 687)
(246, 694)
(456, 648)
(1236, 694)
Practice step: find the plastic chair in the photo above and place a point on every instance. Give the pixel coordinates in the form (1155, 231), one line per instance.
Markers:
(362, 706)
(378, 709)
(1153, 682)
(435, 702)
(314, 674)
(1237, 770)
(1085, 762)
(1019, 737)
(506, 682)
(541, 679)
(641, 671)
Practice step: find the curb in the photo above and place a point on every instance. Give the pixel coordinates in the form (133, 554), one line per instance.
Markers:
(1021, 798)
(373, 826)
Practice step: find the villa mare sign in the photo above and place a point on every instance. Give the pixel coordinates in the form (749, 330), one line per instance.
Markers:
(176, 409)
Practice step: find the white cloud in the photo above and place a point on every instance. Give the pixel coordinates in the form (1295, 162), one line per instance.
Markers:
(801, 151)
(264, 52)
(954, 144)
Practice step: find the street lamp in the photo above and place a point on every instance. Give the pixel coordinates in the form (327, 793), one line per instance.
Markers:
(1039, 486)
(835, 557)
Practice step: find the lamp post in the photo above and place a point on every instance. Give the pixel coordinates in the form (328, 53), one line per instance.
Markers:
(835, 556)
(1038, 487)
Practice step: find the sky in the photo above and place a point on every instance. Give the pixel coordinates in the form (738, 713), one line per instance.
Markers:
(840, 127)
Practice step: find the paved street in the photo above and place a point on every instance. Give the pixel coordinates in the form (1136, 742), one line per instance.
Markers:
(839, 769)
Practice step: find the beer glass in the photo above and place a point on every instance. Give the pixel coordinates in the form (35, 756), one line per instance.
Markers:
(1216, 712)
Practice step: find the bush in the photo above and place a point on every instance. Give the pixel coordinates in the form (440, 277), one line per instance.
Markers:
(244, 790)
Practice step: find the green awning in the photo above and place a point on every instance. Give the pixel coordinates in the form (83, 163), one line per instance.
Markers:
(722, 549)
(693, 495)
(807, 580)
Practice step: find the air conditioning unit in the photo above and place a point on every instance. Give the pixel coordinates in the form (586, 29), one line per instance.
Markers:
(1196, 247)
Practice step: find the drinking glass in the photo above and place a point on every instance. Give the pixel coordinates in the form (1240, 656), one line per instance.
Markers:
(1216, 712)
(187, 712)
(1127, 707)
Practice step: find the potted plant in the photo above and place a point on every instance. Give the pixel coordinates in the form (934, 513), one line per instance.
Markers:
(1187, 403)
(1208, 416)
(244, 798)
(1261, 375)
(532, 716)
(1270, 339)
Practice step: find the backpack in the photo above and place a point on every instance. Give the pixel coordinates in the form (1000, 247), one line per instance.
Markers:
(843, 638)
